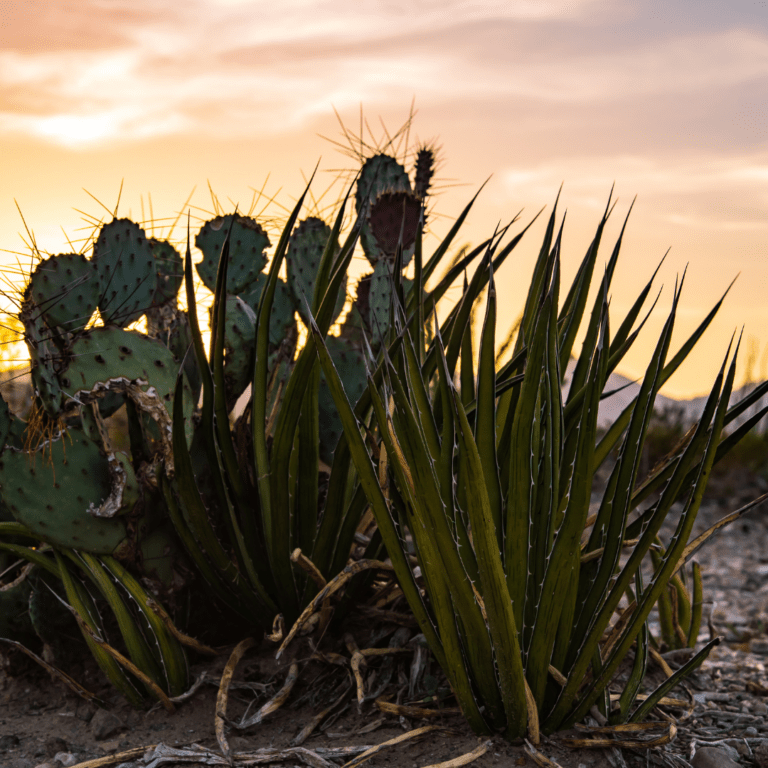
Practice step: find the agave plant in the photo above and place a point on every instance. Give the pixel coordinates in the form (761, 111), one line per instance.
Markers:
(490, 484)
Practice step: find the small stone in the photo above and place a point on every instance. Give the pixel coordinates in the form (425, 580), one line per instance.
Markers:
(110, 746)
(759, 646)
(105, 724)
(760, 753)
(712, 757)
(67, 759)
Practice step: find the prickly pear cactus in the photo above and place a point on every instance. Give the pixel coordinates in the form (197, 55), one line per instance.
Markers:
(127, 271)
(66, 289)
(380, 173)
(350, 364)
(247, 246)
(305, 249)
(64, 490)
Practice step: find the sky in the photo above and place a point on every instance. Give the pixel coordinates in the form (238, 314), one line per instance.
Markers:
(668, 101)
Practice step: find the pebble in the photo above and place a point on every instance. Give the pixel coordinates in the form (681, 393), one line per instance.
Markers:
(713, 757)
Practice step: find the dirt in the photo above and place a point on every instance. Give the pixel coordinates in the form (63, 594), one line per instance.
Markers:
(43, 723)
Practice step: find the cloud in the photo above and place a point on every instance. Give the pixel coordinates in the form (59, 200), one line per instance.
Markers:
(234, 68)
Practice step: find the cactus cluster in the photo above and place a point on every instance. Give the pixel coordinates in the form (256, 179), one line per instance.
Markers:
(67, 480)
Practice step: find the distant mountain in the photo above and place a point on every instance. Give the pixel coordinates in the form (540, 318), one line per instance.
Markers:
(688, 410)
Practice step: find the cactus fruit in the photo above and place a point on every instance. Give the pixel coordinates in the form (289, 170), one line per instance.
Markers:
(391, 213)
(350, 364)
(305, 250)
(247, 245)
(56, 489)
(127, 270)
(66, 289)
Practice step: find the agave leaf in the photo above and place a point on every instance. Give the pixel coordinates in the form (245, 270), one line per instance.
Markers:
(719, 402)
(83, 604)
(639, 666)
(664, 688)
(170, 651)
(612, 435)
(485, 417)
(576, 300)
(137, 646)
(498, 607)
(582, 364)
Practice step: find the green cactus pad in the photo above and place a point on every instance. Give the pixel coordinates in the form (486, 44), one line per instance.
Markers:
(379, 298)
(247, 245)
(66, 289)
(56, 490)
(110, 359)
(180, 343)
(170, 271)
(127, 270)
(385, 220)
(350, 364)
(305, 249)
(239, 346)
(46, 358)
(281, 319)
(380, 173)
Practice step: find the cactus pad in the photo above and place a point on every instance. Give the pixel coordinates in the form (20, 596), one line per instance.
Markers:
(305, 249)
(379, 299)
(127, 271)
(56, 490)
(170, 271)
(239, 346)
(281, 319)
(247, 245)
(350, 364)
(113, 360)
(379, 174)
(425, 169)
(66, 289)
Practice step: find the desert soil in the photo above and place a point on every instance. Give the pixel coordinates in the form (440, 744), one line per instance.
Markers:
(42, 723)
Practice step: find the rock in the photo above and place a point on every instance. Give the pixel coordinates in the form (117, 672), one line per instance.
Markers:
(105, 724)
(761, 755)
(713, 757)
(67, 759)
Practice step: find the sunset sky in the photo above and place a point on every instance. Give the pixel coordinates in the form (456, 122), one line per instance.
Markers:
(668, 100)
